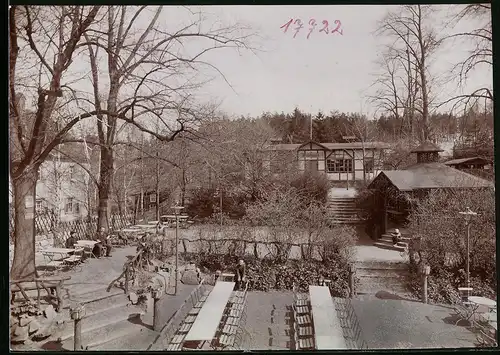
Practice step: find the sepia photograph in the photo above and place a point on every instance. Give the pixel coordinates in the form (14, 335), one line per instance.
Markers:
(251, 177)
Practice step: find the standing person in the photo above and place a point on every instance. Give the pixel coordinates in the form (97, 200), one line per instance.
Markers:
(106, 241)
(240, 274)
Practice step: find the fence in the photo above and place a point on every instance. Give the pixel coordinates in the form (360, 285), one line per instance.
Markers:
(350, 324)
(84, 227)
(168, 332)
(258, 248)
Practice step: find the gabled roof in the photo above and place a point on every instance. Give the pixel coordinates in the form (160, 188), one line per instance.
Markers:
(465, 160)
(332, 146)
(433, 176)
(427, 147)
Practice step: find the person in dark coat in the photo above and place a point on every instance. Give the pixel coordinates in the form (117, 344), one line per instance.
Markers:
(71, 241)
(106, 242)
(240, 276)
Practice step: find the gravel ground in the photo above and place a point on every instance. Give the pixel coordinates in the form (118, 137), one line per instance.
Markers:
(268, 321)
(390, 324)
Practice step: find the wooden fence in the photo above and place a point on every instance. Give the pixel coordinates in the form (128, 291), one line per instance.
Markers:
(84, 227)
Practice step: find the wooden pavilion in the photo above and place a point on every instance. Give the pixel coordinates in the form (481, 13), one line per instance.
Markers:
(395, 190)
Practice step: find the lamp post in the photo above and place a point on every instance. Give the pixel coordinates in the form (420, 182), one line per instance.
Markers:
(177, 209)
(468, 213)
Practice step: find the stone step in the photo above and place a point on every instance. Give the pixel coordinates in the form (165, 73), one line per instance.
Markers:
(101, 319)
(341, 199)
(381, 265)
(346, 222)
(137, 340)
(109, 332)
(389, 247)
(90, 295)
(390, 242)
(374, 289)
(389, 237)
(115, 300)
(380, 273)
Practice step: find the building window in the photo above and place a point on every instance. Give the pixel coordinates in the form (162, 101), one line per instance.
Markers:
(369, 165)
(152, 198)
(72, 172)
(77, 208)
(339, 166)
(68, 207)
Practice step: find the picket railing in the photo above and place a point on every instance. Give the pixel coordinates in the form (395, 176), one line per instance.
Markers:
(84, 227)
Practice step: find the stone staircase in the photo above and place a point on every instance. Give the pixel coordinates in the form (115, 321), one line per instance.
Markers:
(376, 276)
(343, 210)
(385, 242)
(110, 322)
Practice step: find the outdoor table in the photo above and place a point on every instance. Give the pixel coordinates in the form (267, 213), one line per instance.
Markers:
(483, 301)
(489, 317)
(62, 252)
(86, 243)
(130, 230)
(210, 315)
(328, 331)
(145, 226)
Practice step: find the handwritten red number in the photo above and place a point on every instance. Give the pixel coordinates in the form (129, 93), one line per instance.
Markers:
(338, 23)
(312, 23)
(286, 25)
(325, 28)
(299, 27)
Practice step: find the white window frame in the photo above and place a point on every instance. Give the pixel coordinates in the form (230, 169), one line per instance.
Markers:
(339, 168)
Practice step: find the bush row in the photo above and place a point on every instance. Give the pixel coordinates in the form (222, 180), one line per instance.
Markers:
(267, 274)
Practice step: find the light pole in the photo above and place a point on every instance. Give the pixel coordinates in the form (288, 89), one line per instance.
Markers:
(177, 210)
(468, 213)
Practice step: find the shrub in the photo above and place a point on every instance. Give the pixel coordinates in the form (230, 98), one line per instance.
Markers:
(442, 231)
(202, 203)
(205, 203)
(312, 187)
(267, 274)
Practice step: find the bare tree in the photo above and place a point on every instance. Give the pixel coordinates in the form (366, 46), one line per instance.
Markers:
(480, 54)
(141, 66)
(36, 34)
(364, 131)
(414, 42)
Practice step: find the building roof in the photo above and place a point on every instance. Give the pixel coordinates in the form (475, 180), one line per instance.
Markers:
(433, 176)
(427, 147)
(332, 146)
(466, 160)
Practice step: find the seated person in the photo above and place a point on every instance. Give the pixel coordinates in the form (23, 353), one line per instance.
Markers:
(71, 241)
(99, 249)
(107, 245)
(396, 236)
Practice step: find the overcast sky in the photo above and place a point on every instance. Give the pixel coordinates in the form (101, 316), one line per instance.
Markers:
(324, 72)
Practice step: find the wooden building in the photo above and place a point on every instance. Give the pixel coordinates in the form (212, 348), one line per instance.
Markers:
(396, 189)
(473, 163)
(339, 161)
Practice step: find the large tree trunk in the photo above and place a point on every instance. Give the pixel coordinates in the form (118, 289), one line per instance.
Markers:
(24, 188)
(105, 188)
